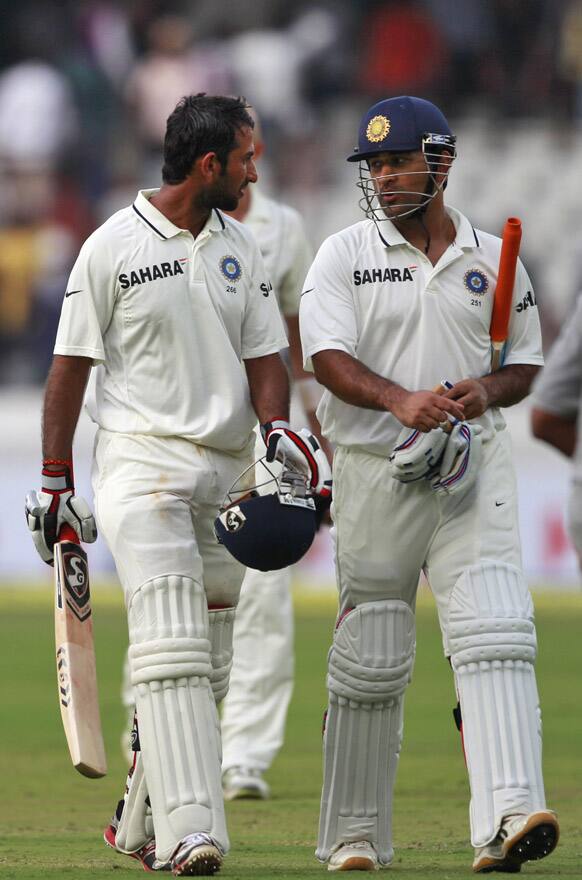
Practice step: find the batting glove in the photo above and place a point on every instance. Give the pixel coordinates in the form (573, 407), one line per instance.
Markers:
(416, 454)
(55, 505)
(299, 451)
(460, 463)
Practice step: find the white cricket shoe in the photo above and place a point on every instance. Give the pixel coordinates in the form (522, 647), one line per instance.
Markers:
(357, 856)
(197, 855)
(521, 838)
(247, 783)
(490, 858)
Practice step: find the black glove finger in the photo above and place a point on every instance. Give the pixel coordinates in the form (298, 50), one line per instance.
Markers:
(272, 444)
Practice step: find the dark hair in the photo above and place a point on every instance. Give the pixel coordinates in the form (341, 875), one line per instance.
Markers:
(201, 124)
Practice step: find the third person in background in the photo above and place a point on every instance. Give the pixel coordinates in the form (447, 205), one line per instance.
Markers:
(557, 399)
(392, 306)
(261, 682)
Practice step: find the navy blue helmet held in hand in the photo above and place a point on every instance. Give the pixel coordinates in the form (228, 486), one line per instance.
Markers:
(268, 531)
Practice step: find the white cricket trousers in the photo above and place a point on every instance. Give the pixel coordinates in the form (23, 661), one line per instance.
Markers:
(261, 681)
(254, 711)
(387, 531)
(156, 499)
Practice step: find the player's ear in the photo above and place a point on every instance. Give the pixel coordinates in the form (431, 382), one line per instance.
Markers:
(210, 166)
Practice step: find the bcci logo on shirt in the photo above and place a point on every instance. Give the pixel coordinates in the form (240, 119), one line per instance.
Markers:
(231, 268)
(476, 282)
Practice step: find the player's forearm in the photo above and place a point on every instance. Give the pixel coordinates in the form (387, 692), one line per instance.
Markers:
(509, 385)
(351, 381)
(63, 399)
(556, 430)
(269, 387)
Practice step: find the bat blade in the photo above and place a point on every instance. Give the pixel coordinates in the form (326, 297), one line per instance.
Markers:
(75, 656)
(498, 329)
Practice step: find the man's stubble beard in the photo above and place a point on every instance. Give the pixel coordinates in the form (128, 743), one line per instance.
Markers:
(217, 197)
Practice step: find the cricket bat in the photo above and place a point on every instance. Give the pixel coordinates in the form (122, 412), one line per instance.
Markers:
(510, 242)
(76, 669)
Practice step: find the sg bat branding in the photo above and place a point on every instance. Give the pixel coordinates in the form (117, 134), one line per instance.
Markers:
(76, 585)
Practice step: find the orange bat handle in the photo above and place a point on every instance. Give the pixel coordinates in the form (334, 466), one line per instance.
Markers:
(505, 280)
(68, 534)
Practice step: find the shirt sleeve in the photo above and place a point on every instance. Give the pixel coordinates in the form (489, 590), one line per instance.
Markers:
(263, 332)
(558, 387)
(524, 338)
(327, 318)
(300, 255)
(88, 304)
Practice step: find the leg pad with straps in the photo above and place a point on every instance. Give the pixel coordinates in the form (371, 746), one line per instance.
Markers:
(492, 642)
(370, 665)
(170, 667)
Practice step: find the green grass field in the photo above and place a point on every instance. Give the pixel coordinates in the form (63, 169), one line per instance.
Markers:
(51, 818)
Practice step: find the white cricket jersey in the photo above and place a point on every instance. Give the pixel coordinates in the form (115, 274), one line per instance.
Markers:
(171, 317)
(373, 295)
(281, 237)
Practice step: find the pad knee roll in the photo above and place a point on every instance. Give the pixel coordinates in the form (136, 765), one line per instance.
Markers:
(372, 655)
(491, 616)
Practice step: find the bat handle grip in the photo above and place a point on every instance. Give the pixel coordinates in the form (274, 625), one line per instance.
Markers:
(67, 533)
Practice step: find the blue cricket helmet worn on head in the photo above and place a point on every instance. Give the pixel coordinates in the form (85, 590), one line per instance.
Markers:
(400, 125)
(403, 125)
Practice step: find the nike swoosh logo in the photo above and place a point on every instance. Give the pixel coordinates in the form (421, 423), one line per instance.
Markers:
(499, 503)
(307, 291)
(71, 292)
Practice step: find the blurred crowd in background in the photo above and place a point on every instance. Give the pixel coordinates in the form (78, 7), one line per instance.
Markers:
(86, 87)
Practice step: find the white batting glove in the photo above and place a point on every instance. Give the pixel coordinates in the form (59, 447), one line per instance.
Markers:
(54, 506)
(460, 463)
(416, 454)
(299, 451)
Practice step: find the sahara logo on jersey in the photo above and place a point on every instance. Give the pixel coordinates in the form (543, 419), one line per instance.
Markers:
(151, 273)
(476, 282)
(528, 300)
(367, 276)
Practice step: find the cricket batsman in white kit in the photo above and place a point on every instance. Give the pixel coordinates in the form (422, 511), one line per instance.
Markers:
(393, 306)
(171, 297)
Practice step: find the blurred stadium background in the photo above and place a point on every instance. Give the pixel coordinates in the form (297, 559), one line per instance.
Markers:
(86, 86)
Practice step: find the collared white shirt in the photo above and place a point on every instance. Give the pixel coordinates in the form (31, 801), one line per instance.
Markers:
(373, 295)
(283, 243)
(171, 317)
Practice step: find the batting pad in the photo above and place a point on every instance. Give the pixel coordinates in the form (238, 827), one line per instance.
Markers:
(492, 641)
(369, 666)
(132, 832)
(170, 666)
(221, 626)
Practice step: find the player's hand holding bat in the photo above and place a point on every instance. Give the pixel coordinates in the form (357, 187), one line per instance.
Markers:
(425, 410)
(472, 395)
(55, 506)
